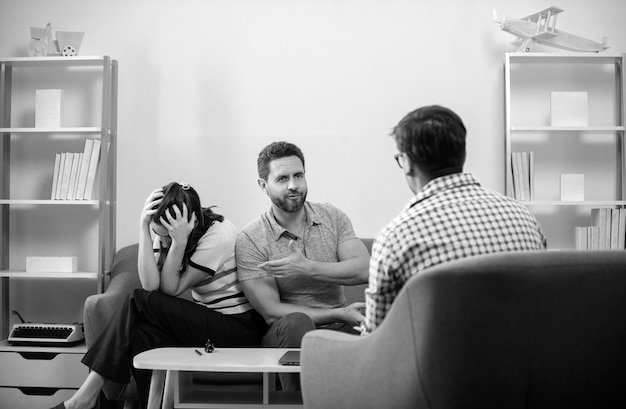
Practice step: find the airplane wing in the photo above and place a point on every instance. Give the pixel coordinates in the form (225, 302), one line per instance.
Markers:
(538, 15)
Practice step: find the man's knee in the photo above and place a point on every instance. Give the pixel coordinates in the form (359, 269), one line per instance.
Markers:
(290, 329)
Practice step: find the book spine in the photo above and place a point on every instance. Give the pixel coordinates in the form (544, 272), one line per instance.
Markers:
(93, 166)
(67, 173)
(84, 170)
(71, 192)
(517, 175)
(55, 175)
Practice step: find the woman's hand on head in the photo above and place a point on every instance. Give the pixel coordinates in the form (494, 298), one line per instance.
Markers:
(149, 208)
(178, 224)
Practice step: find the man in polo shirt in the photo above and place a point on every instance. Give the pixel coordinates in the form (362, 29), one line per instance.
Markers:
(293, 260)
(450, 217)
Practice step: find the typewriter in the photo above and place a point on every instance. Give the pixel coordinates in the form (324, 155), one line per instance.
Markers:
(41, 334)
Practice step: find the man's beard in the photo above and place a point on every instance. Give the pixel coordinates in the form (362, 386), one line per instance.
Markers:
(287, 204)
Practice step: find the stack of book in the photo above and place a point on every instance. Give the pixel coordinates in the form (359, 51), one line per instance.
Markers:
(607, 230)
(523, 175)
(75, 173)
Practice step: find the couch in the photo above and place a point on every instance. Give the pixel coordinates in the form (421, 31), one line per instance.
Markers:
(99, 308)
(507, 330)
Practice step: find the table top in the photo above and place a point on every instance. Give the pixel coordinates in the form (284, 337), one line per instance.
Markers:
(220, 360)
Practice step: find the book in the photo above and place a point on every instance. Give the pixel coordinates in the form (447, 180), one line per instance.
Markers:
(520, 168)
(516, 163)
(526, 174)
(67, 173)
(57, 194)
(71, 192)
(607, 230)
(531, 174)
(593, 238)
(51, 264)
(601, 219)
(614, 236)
(621, 235)
(514, 177)
(84, 170)
(55, 175)
(93, 167)
(581, 238)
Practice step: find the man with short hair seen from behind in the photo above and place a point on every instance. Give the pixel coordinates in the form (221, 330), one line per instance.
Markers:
(450, 217)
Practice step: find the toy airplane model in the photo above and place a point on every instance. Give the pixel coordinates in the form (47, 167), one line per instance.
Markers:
(540, 28)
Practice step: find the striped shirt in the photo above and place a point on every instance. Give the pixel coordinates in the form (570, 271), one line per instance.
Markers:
(215, 255)
(451, 218)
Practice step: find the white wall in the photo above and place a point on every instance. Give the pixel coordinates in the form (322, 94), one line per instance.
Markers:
(205, 84)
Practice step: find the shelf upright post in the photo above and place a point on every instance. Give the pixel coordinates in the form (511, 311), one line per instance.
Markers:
(106, 236)
(620, 91)
(5, 168)
(112, 169)
(508, 177)
(104, 153)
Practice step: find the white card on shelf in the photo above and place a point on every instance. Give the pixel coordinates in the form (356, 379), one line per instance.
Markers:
(48, 108)
(569, 108)
(572, 187)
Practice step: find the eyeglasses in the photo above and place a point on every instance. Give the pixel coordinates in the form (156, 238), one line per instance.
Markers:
(397, 158)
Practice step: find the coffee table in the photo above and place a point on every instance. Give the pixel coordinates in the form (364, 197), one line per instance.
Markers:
(170, 366)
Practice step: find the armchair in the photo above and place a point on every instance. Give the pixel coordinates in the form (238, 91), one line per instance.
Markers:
(527, 330)
(99, 309)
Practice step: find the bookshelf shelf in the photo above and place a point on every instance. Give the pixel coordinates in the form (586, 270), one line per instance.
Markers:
(564, 160)
(591, 203)
(49, 202)
(565, 58)
(21, 274)
(46, 131)
(569, 129)
(33, 225)
(44, 62)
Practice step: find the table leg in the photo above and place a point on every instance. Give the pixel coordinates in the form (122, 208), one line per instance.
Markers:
(266, 388)
(156, 389)
(168, 394)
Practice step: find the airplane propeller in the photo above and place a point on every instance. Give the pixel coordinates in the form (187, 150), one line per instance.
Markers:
(496, 19)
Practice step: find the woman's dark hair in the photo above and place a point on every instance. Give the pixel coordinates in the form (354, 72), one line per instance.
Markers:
(434, 139)
(176, 194)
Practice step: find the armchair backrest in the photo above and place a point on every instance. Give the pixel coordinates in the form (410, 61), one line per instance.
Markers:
(527, 330)
(531, 330)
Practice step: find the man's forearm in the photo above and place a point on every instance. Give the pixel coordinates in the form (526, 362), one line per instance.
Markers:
(347, 272)
(319, 316)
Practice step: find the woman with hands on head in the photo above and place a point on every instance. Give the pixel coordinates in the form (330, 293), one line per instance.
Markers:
(182, 246)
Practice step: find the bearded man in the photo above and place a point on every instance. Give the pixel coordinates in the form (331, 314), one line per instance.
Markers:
(293, 261)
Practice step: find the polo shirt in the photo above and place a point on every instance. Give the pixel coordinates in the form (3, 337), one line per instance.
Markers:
(264, 239)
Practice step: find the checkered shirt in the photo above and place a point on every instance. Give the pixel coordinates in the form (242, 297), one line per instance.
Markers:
(451, 218)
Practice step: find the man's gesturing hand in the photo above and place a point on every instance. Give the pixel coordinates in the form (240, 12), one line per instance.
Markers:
(293, 265)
